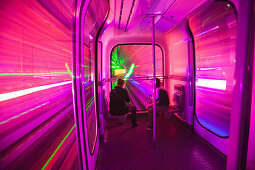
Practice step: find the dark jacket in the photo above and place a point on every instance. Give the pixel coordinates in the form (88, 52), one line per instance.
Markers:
(163, 99)
(118, 101)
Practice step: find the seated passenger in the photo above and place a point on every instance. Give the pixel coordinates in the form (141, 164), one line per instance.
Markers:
(162, 102)
(120, 102)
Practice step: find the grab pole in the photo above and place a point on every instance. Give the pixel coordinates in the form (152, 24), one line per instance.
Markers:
(154, 80)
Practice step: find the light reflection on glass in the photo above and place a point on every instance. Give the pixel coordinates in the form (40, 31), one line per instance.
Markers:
(36, 110)
(214, 30)
(136, 60)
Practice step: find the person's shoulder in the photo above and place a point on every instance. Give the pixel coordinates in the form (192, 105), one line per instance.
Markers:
(162, 89)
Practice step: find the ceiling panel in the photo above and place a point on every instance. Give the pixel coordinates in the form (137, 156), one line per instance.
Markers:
(181, 8)
(138, 19)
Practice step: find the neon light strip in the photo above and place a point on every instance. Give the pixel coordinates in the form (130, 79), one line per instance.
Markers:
(211, 83)
(5, 121)
(90, 105)
(207, 31)
(69, 71)
(130, 71)
(12, 95)
(134, 81)
(89, 101)
(58, 147)
(206, 69)
(88, 87)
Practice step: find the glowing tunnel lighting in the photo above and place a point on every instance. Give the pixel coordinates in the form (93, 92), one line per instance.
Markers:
(30, 74)
(57, 148)
(88, 86)
(67, 50)
(130, 71)
(69, 71)
(5, 121)
(12, 95)
(89, 103)
(211, 83)
(135, 81)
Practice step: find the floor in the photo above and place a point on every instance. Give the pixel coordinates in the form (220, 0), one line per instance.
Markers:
(177, 147)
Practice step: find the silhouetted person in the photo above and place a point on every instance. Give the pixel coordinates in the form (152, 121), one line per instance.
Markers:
(120, 102)
(162, 102)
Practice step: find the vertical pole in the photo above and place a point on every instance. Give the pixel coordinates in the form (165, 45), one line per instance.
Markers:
(154, 81)
(241, 107)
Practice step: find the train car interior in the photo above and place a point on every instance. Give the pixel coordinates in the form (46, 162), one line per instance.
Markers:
(61, 59)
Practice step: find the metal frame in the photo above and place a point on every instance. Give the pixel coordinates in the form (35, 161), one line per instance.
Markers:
(242, 94)
(80, 135)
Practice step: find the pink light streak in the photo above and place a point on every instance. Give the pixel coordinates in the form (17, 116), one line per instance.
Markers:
(207, 31)
(211, 83)
(12, 95)
(5, 121)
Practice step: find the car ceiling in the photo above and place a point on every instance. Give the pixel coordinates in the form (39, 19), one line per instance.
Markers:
(136, 15)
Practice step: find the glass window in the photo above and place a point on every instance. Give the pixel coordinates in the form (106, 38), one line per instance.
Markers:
(94, 18)
(37, 127)
(90, 108)
(214, 31)
(134, 63)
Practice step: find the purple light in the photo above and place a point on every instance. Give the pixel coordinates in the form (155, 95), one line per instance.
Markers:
(211, 83)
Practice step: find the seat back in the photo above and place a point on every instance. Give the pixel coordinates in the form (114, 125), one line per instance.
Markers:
(179, 96)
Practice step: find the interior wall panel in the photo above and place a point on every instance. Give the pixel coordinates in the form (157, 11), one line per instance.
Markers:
(177, 66)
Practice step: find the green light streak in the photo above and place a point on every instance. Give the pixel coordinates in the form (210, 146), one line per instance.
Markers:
(121, 61)
(23, 113)
(31, 74)
(130, 71)
(58, 148)
(89, 102)
(114, 84)
(135, 81)
(114, 67)
(36, 74)
(69, 71)
(88, 86)
(89, 105)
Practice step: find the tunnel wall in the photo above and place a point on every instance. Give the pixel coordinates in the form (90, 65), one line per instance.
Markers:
(37, 119)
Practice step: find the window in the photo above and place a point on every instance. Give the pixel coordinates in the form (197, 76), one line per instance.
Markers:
(214, 31)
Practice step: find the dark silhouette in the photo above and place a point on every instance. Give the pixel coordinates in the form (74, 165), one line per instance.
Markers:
(162, 102)
(120, 102)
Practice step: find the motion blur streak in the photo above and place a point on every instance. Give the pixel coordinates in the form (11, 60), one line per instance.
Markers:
(215, 61)
(58, 147)
(36, 106)
(15, 94)
(210, 83)
(23, 113)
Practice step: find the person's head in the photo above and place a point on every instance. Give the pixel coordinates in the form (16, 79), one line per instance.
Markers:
(120, 82)
(158, 83)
